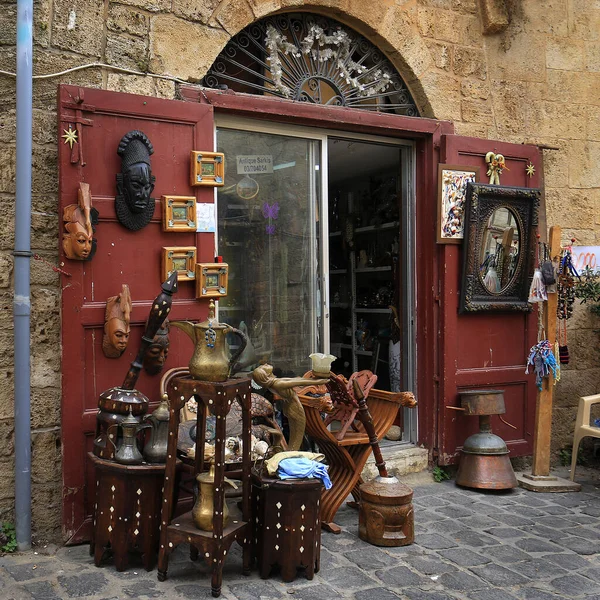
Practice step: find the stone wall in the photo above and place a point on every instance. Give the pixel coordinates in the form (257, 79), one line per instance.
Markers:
(533, 80)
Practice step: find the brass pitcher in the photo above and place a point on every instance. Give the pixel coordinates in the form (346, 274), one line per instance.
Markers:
(155, 450)
(127, 452)
(211, 360)
(204, 507)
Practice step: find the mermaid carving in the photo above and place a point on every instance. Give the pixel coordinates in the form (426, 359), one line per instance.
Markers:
(292, 407)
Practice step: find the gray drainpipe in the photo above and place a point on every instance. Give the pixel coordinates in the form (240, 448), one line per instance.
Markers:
(22, 254)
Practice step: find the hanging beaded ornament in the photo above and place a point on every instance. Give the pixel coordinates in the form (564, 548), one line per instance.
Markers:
(542, 359)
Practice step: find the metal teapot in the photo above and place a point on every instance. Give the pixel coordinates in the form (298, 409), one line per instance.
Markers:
(211, 360)
(155, 450)
(203, 510)
(127, 452)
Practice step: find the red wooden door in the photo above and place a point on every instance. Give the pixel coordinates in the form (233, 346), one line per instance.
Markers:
(487, 350)
(123, 256)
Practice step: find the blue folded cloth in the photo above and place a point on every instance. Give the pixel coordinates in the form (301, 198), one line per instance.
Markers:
(302, 468)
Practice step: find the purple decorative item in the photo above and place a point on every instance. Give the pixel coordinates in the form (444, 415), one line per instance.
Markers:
(270, 212)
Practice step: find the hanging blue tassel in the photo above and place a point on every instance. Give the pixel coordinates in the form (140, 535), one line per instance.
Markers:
(542, 359)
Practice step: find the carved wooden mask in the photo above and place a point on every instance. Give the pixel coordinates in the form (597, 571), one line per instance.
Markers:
(79, 220)
(116, 326)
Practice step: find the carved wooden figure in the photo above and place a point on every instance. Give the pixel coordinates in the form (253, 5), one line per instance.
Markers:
(158, 350)
(79, 220)
(135, 182)
(116, 326)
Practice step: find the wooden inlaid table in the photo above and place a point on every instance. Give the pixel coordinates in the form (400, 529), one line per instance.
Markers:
(287, 526)
(126, 511)
(212, 546)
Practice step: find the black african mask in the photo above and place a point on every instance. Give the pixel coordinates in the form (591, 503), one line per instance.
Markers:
(157, 352)
(135, 182)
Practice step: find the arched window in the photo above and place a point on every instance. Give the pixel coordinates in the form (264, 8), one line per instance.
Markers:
(310, 58)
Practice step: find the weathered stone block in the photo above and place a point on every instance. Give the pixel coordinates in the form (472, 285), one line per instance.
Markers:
(556, 168)
(130, 84)
(592, 56)
(46, 504)
(556, 120)
(8, 127)
(523, 59)
(122, 19)
(45, 457)
(575, 209)
(7, 482)
(78, 26)
(572, 87)
(41, 22)
(193, 10)
(6, 268)
(8, 169)
(45, 317)
(563, 424)
(8, 24)
(584, 20)
(45, 170)
(473, 88)
(45, 407)
(441, 54)
(182, 49)
(542, 16)
(233, 16)
(476, 111)
(443, 93)
(150, 5)
(464, 6)
(6, 341)
(509, 100)
(584, 164)
(45, 127)
(449, 26)
(494, 16)
(470, 62)
(42, 273)
(127, 51)
(473, 130)
(564, 53)
(7, 446)
(45, 89)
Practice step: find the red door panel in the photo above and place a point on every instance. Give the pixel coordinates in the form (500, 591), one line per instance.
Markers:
(486, 350)
(123, 256)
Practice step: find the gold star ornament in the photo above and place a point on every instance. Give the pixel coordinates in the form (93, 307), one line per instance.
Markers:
(70, 136)
(530, 170)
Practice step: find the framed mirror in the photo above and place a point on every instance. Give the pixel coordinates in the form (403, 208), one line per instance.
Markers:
(498, 247)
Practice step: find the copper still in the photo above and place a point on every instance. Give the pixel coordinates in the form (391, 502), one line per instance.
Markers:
(484, 461)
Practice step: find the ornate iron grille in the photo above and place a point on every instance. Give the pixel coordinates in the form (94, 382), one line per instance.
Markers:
(310, 58)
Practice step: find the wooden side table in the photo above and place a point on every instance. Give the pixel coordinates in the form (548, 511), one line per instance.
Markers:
(287, 527)
(216, 398)
(126, 511)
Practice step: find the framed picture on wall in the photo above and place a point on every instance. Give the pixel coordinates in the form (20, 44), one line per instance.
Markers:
(211, 280)
(452, 190)
(179, 213)
(180, 259)
(207, 168)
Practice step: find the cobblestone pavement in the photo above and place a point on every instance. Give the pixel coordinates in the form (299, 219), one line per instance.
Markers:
(469, 546)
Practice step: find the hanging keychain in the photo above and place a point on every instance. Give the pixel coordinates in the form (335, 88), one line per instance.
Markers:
(566, 299)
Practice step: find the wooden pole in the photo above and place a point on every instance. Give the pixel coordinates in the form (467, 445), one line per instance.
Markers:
(543, 409)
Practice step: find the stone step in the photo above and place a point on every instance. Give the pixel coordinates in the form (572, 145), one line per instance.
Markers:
(404, 461)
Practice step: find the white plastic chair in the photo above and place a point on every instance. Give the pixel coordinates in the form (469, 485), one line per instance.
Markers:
(583, 427)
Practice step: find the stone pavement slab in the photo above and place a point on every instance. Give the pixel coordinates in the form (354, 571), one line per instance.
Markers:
(469, 545)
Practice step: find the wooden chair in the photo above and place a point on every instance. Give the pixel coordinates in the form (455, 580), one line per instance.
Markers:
(347, 455)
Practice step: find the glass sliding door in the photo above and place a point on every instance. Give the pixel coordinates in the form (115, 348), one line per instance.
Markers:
(267, 234)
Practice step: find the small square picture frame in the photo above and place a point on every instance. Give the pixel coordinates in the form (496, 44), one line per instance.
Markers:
(179, 213)
(181, 259)
(211, 280)
(452, 194)
(207, 168)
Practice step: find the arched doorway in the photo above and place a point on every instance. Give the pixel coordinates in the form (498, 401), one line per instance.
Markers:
(317, 226)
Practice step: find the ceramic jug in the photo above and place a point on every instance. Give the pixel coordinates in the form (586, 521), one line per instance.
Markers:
(155, 450)
(127, 452)
(211, 360)
(204, 507)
